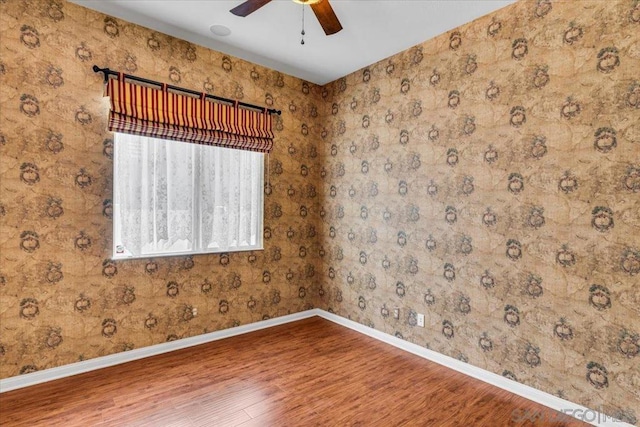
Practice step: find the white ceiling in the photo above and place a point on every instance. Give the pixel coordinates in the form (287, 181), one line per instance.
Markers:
(373, 29)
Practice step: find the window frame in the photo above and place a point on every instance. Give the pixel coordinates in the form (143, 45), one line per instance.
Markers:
(117, 256)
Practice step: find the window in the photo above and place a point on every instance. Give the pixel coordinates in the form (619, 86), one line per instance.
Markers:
(176, 198)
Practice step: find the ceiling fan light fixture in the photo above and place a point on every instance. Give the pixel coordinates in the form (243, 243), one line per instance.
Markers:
(321, 9)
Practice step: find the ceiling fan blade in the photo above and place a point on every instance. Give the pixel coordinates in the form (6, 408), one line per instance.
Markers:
(248, 7)
(327, 17)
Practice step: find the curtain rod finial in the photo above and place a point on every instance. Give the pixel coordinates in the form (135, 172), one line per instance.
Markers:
(106, 72)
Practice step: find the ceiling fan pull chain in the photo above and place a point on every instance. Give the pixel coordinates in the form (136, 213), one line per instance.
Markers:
(302, 32)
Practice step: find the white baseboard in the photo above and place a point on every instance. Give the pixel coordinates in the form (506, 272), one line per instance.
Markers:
(572, 409)
(51, 374)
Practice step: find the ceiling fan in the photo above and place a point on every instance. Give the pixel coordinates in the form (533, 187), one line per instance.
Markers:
(322, 9)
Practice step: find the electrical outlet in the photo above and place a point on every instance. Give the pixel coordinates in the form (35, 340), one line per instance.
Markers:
(421, 320)
(194, 311)
(396, 313)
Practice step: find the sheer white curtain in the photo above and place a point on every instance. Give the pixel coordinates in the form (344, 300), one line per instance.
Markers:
(173, 198)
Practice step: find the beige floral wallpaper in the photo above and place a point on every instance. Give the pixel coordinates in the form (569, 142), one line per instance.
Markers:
(61, 298)
(490, 179)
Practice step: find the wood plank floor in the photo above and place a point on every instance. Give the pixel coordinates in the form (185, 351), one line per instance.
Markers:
(308, 373)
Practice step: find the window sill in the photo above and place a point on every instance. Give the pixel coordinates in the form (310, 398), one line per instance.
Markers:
(121, 257)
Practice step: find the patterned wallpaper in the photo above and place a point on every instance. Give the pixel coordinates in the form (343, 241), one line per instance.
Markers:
(61, 299)
(490, 179)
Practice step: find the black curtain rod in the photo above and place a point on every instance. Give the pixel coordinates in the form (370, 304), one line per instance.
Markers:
(108, 72)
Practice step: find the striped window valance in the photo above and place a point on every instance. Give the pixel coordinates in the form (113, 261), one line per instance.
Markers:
(160, 113)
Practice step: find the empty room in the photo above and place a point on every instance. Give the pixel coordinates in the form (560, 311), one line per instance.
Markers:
(319, 212)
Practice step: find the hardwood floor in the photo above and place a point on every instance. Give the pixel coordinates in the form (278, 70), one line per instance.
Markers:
(308, 373)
